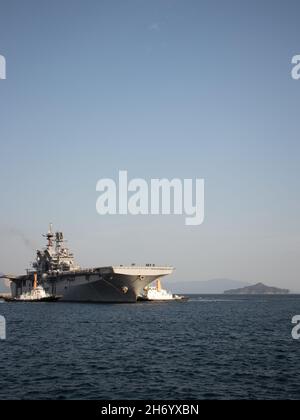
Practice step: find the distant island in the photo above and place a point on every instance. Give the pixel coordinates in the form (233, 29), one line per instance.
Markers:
(213, 286)
(257, 289)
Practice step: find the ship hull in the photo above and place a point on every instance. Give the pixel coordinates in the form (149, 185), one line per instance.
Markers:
(100, 285)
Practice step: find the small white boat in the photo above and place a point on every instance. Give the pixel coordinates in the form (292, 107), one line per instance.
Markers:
(37, 294)
(158, 294)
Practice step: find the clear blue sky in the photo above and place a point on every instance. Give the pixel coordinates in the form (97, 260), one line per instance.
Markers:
(166, 88)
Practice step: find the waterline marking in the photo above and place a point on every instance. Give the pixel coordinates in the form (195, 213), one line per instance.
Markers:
(2, 67)
(161, 197)
(296, 68)
(2, 328)
(296, 329)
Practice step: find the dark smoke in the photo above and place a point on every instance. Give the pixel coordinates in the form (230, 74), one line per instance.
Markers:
(19, 234)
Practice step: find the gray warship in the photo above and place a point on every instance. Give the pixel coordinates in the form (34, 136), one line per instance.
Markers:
(56, 271)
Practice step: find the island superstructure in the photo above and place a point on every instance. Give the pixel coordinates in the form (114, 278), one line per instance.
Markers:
(56, 271)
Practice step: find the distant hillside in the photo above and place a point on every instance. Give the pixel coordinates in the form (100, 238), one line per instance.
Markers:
(3, 286)
(215, 286)
(258, 289)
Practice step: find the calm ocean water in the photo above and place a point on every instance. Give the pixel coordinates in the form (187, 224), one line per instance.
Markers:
(211, 348)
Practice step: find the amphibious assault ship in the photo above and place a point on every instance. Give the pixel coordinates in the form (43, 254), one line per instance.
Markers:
(56, 271)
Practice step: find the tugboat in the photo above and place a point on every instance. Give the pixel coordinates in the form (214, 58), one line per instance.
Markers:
(158, 294)
(36, 294)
